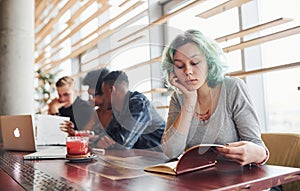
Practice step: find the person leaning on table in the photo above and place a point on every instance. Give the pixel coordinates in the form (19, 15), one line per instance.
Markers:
(94, 80)
(208, 107)
(135, 122)
(102, 115)
(69, 105)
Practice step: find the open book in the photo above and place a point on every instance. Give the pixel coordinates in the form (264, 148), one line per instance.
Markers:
(195, 158)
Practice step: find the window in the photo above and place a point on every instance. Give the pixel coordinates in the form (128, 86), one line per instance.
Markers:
(115, 54)
(278, 102)
(212, 27)
(283, 97)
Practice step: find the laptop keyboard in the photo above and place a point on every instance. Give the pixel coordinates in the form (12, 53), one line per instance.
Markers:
(31, 178)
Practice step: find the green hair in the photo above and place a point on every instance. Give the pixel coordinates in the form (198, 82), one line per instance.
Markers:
(212, 51)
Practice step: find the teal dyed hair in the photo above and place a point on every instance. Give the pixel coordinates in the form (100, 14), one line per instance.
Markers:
(212, 51)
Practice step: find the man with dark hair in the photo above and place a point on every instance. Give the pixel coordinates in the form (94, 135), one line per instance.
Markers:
(93, 80)
(135, 122)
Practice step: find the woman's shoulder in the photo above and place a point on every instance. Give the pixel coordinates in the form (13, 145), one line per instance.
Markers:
(232, 82)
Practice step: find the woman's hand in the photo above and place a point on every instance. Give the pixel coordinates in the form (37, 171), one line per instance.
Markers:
(244, 152)
(68, 127)
(173, 79)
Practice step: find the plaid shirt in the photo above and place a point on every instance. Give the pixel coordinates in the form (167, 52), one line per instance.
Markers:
(138, 125)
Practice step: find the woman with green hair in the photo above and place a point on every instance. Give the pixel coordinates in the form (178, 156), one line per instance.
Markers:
(207, 106)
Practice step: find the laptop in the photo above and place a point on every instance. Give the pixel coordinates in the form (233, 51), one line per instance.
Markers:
(48, 130)
(18, 133)
(49, 152)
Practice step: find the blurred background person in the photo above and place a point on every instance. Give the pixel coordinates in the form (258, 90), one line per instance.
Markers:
(68, 104)
(103, 113)
(135, 123)
(92, 79)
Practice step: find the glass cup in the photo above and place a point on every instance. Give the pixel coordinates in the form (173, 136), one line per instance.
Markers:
(77, 145)
(84, 133)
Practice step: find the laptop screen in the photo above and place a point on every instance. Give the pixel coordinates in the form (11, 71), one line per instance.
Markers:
(18, 132)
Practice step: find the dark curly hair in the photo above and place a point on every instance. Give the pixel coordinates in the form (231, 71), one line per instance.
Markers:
(94, 79)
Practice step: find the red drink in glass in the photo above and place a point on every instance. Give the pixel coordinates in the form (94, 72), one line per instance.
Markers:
(77, 145)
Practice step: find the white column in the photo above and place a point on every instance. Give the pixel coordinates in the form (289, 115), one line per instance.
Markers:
(16, 57)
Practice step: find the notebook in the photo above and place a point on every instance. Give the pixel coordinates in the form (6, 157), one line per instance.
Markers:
(18, 133)
(195, 158)
(48, 130)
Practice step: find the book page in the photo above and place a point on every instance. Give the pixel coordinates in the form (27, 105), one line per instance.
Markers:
(167, 168)
(171, 165)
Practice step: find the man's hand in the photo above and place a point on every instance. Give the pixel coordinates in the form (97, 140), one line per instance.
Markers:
(68, 127)
(105, 142)
(54, 106)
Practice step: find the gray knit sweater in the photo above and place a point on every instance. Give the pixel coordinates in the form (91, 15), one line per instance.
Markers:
(234, 119)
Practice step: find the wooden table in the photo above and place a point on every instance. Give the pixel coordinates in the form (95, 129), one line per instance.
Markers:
(123, 170)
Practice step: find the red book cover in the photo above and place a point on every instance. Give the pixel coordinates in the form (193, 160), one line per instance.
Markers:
(195, 158)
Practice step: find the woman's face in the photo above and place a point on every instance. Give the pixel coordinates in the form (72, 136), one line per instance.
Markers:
(190, 66)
